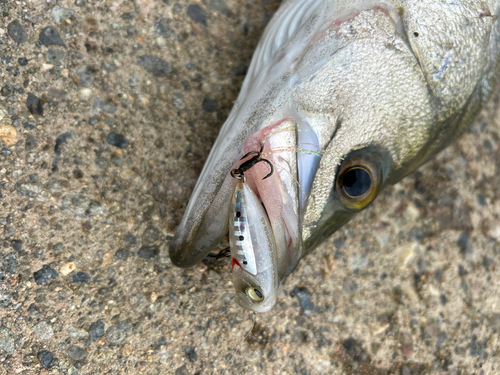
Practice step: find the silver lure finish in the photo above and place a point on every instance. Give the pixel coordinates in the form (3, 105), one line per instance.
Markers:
(253, 251)
(388, 82)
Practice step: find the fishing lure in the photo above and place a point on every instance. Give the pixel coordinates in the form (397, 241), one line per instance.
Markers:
(253, 249)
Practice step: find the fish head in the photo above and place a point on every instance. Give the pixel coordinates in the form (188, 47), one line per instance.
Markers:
(347, 97)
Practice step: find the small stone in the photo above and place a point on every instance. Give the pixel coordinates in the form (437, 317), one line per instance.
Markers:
(56, 56)
(27, 188)
(45, 357)
(10, 263)
(149, 253)
(49, 36)
(77, 332)
(54, 187)
(67, 268)
(150, 235)
(240, 70)
(121, 254)
(30, 143)
(8, 230)
(182, 370)
(4, 298)
(190, 353)
(80, 277)
(464, 244)
(197, 14)
(161, 29)
(349, 345)
(43, 330)
(178, 100)
(117, 140)
(16, 244)
(494, 322)
(101, 105)
(17, 32)
(29, 125)
(117, 333)
(304, 297)
(76, 353)
(34, 105)
(6, 91)
(209, 105)
(94, 120)
(116, 160)
(96, 330)
(82, 205)
(357, 261)
(154, 65)
(7, 340)
(85, 75)
(23, 61)
(85, 94)
(219, 6)
(8, 135)
(44, 274)
(130, 238)
(60, 14)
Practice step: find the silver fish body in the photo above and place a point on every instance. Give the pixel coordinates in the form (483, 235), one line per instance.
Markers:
(376, 86)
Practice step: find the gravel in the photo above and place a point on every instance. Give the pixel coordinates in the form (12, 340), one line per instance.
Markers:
(117, 333)
(82, 205)
(43, 330)
(5, 298)
(45, 358)
(59, 14)
(7, 341)
(43, 275)
(50, 36)
(209, 105)
(34, 104)
(76, 353)
(96, 330)
(17, 32)
(197, 14)
(304, 297)
(117, 140)
(155, 65)
(10, 263)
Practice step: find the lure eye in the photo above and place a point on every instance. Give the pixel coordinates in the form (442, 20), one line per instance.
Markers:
(255, 294)
(358, 181)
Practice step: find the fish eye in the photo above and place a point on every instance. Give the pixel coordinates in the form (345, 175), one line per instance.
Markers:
(255, 294)
(358, 181)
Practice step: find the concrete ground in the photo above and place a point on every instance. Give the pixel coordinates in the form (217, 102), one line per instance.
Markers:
(108, 110)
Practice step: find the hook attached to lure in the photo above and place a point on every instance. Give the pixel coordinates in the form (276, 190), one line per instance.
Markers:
(253, 249)
(239, 172)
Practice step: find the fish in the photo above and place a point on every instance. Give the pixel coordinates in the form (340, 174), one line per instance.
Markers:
(344, 98)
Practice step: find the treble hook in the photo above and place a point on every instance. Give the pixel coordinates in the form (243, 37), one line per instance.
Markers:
(239, 172)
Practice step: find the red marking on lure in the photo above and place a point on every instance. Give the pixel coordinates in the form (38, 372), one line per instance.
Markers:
(235, 262)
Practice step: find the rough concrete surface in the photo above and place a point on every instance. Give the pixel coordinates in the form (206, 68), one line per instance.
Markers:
(108, 110)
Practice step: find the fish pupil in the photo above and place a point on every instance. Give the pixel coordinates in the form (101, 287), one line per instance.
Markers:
(258, 292)
(356, 182)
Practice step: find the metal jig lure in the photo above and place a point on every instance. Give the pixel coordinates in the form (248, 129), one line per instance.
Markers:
(253, 249)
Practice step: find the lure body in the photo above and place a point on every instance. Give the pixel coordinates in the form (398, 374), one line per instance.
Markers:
(253, 251)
